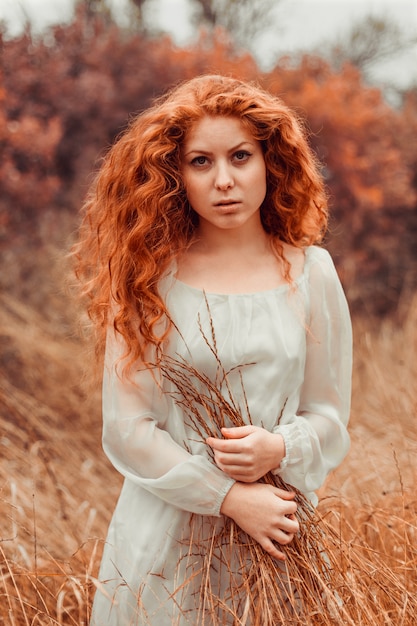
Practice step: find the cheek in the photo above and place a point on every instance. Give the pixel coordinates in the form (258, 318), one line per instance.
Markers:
(261, 195)
(192, 188)
(189, 190)
(259, 185)
(186, 182)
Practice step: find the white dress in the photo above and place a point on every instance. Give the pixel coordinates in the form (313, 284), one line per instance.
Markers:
(297, 340)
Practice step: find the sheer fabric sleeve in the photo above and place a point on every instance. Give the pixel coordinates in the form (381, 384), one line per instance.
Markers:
(136, 442)
(316, 438)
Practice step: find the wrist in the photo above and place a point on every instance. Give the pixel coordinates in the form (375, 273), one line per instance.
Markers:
(232, 498)
(278, 451)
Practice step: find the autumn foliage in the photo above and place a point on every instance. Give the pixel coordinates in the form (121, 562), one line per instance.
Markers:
(65, 97)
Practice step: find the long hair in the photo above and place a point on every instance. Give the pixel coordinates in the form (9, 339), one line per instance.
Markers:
(137, 218)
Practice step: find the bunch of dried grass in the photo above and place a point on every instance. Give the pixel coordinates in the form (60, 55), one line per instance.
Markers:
(325, 579)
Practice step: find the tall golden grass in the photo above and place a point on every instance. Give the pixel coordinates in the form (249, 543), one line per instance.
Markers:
(57, 490)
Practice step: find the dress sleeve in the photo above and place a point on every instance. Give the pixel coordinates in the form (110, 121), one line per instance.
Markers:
(134, 439)
(316, 438)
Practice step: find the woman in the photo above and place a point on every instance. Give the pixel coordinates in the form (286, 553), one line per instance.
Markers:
(198, 245)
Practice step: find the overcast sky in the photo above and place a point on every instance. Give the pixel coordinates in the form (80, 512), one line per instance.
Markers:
(299, 25)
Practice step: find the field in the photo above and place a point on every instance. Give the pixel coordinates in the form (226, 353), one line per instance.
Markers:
(57, 490)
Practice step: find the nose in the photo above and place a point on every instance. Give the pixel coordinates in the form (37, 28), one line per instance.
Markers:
(223, 177)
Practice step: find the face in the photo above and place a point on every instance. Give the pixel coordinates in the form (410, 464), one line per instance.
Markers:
(224, 174)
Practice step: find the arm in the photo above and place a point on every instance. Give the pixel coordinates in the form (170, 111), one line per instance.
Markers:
(316, 439)
(136, 442)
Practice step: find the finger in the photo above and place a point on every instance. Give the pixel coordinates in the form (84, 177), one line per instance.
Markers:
(233, 468)
(290, 508)
(240, 463)
(230, 466)
(217, 444)
(239, 475)
(228, 446)
(273, 550)
(238, 432)
(283, 538)
(211, 441)
(285, 495)
(239, 459)
(289, 526)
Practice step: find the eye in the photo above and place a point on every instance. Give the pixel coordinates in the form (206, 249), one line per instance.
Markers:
(199, 161)
(241, 155)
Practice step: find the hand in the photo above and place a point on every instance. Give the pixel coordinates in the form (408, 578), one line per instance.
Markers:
(248, 452)
(264, 512)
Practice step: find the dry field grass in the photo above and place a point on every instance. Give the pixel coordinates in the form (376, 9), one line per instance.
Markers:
(57, 490)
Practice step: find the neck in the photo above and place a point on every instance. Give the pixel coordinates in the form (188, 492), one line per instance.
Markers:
(245, 240)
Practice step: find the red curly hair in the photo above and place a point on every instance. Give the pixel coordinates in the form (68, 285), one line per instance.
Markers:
(137, 217)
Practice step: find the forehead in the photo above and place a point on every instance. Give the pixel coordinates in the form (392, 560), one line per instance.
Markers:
(217, 130)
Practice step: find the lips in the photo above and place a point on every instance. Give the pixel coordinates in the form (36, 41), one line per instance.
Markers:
(226, 203)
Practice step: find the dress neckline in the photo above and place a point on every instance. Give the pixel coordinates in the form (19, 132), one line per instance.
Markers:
(264, 292)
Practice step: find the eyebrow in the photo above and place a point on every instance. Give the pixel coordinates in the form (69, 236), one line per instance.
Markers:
(207, 152)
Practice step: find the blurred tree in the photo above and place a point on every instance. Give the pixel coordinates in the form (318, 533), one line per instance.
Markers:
(368, 164)
(137, 16)
(101, 8)
(139, 4)
(368, 42)
(243, 19)
(96, 7)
